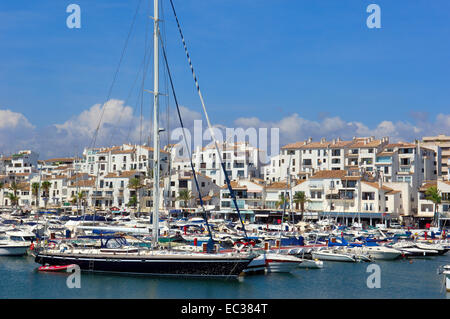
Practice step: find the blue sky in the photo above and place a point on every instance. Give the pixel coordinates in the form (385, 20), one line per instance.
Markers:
(257, 59)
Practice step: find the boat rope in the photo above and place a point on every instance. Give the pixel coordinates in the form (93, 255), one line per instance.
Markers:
(230, 189)
(185, 141)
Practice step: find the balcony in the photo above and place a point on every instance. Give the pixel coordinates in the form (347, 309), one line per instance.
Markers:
(350, 155)
(100, 196)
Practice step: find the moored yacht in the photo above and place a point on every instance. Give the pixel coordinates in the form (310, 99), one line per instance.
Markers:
(333, 255)
(276, 262)
(381, 252)
(115, 256)
(13, 244)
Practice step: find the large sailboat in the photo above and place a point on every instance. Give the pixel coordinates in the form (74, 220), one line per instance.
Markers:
(114, 255)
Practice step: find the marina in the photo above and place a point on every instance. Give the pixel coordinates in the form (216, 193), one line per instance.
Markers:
(323, 266)
(360, 217)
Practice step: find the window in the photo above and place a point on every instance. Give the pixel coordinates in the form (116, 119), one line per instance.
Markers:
(368, 195)
(183, 184)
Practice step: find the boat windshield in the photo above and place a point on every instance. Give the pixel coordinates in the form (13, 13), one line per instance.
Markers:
(17, 238)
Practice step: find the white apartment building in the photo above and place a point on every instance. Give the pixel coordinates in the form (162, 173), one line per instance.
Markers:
(250, 194)
(21, 162)
(441, 145)
(184, 180)
(103, 161)
(427, 208)
(23, 193)
(406, 162)
(241, 160)
(303, 159)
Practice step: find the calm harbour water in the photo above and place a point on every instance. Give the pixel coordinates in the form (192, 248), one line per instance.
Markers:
(399, 279)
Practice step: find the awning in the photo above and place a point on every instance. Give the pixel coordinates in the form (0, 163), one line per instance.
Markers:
(354, 215)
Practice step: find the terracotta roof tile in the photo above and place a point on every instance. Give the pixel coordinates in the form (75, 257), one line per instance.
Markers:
(329, 174)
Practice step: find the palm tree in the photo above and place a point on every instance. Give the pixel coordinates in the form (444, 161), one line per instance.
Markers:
(74, 199)
(133, 201)
(46, 190)
(135, 184)
(14, 199)
(185, 196)
(35, 192)
(283, 201)
(14, 187)
(433, 194)
(300, 198)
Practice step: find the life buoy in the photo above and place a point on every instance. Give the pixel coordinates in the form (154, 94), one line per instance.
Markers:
(51, 245)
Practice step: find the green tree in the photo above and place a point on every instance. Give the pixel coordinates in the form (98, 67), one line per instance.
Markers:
(35, 192)
(14, 199)
(135, 184)
(46, 190)
(185, 196)
(133, 201)
(81, 198)
(434, 195)
(300, 199)
(282, 201)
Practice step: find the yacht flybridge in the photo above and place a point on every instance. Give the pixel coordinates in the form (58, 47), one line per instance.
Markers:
(115, 256)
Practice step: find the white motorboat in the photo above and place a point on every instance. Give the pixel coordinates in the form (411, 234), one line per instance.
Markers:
(306, 263)
(411, 250)
(427, 246)
(11, 245)
(382, 252)
(281, 262)
(333, 255)
(256, 266)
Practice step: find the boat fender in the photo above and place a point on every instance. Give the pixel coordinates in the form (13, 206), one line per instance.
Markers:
(32, 246)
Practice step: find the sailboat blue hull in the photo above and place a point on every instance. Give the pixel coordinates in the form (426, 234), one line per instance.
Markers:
(154, 265)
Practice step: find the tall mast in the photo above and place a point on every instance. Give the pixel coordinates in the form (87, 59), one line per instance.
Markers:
(156, 126)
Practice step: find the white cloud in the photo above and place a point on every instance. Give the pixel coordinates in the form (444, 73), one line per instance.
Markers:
(295, 128)
(119, 125)
(13, 120)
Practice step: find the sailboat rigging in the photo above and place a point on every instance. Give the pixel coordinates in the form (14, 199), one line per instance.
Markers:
(154, 260)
